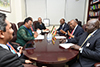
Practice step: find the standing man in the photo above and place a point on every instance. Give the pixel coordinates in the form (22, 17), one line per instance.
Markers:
(63, 27)
(7, 58)
(88, 45)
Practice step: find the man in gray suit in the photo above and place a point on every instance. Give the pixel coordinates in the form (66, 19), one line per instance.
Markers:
(88, 45)
(7, 58)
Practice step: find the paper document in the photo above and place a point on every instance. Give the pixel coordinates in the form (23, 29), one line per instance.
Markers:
(45, 31)
(66, 45)
(60, 37)
(38, 31)
(39, 37)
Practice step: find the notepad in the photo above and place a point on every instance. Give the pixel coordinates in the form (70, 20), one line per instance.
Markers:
(39, 37)
(60, 37)
(66, 45)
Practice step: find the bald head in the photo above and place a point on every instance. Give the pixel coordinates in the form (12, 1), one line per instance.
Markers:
(92, 25)
(94, 22)
(39, 20)
(73, 23)
(62, 21)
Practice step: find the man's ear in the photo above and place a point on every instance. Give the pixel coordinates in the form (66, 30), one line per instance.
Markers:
(1, 34)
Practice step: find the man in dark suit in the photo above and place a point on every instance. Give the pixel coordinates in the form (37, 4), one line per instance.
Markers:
(7, 58)
(63, 27)
(88, 45)
(40, 25)
(76, 30)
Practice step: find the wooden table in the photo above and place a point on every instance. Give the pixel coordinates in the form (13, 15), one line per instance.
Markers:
(51, 55)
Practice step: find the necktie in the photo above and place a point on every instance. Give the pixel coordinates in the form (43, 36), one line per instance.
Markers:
(86, 39)
(84, 43)
(11, 47)
(71, 33)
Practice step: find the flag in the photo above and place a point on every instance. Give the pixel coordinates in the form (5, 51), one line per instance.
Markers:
(52, 29)
(53, 40)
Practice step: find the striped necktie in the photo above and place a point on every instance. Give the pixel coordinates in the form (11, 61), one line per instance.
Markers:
(86, 39)
(71, 33)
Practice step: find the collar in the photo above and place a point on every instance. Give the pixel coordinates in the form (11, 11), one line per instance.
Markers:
(93, 32)
(4, 46)
(75, 28)
(63, 25)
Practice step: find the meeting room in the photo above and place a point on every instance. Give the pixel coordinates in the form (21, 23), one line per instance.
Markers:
(49, 33)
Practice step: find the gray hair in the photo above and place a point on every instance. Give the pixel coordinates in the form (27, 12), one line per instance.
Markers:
(3, 24)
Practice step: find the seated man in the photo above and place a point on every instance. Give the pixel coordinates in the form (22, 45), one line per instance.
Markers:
(7, 58)
(76, 29)
(24, 33)
(18, 52)
(88, 45)
(63, 27)
(32, 27)
(40, 25)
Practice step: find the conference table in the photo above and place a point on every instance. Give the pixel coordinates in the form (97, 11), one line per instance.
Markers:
(49, 54)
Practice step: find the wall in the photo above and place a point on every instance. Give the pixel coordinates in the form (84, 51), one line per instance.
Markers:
(17, 11)
(57, 9)
(75, 9)
(39, 8)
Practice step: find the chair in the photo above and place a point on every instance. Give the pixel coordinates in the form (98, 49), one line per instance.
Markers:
(29, 65)
(15, 32)
(34, 23)
(84, 27)
(20, 24)
(97, 64)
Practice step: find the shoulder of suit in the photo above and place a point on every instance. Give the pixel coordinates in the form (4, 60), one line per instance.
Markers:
(4, 52)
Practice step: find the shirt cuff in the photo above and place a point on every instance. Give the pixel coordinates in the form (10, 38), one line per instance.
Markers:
(66, 40)
(18, 48)
(66, 34)
(18, 54)
(80, 49)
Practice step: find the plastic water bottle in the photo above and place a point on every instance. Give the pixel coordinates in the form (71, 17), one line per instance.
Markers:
(49, 37)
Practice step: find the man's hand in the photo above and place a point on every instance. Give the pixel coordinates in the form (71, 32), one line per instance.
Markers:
(47, 29)
(28, 61)
(21, 50)
(62, 40)
(35, 34)
(75, 47)
(62, 31)
(70, 34)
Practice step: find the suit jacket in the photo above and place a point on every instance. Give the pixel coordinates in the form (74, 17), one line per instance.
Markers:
(91, 49)
(41, 27)
(8, 59)
(78, 31)
(65, 28)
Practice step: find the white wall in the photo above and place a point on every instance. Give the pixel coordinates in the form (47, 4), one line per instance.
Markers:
(39, 8)
(35, 8)
(57, 9)
(75, 9)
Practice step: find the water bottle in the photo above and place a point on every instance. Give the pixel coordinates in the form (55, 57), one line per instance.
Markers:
(49, 37)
